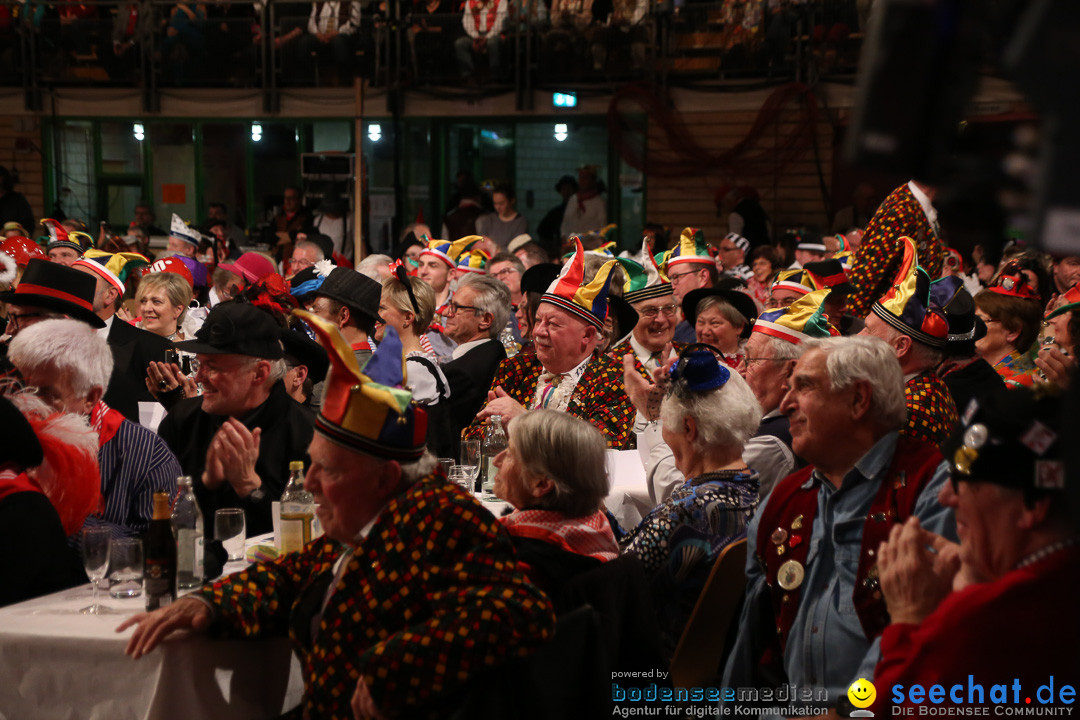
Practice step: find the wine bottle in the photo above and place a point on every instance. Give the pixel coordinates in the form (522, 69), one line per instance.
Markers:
(187, 522)
(160, 563)
(297, 511)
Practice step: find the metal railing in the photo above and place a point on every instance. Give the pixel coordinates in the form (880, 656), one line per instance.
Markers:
(153, 44)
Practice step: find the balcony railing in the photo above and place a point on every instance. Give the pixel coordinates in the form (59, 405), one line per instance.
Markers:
(153, 45)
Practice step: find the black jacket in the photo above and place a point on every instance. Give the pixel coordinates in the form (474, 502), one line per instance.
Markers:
(470, 379)
(287, 429)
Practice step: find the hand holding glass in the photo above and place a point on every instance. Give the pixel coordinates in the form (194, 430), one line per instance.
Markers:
(95, 553)
(230, 529)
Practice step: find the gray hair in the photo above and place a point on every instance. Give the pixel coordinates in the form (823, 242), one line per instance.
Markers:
(849, 359)
(492, 296)
(71, 347)
(370, 266)
(567, 451)
(278, 368)
(416, 469)
(726, 309)
(309, 245)
(782, 349)
(727, 416)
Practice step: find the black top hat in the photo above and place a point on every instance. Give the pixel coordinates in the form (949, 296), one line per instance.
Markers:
(237, 328)
(739, 300)
(539, 277)
(357, 291)
(965, 327)
(57, 288)
(307, 352)
(625, 316)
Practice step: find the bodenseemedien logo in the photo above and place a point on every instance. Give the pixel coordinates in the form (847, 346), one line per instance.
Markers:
(862, 694)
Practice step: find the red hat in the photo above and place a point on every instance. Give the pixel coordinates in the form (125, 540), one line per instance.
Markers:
(171, 265)
(21, 249)
(251, 266)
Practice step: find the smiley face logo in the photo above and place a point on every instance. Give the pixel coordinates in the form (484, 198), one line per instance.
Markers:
(862, 693)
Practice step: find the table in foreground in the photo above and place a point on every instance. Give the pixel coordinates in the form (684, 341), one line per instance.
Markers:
(58, 663)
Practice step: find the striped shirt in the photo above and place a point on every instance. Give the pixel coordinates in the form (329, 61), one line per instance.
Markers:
(135, 464)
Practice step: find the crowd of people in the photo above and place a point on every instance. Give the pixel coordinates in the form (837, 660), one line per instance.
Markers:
(881, 423)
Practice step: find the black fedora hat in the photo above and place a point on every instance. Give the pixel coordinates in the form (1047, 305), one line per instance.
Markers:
(739, 300)
(236, 328)
(350, 288)
(307, 352)
(57, 288)
(625, 316)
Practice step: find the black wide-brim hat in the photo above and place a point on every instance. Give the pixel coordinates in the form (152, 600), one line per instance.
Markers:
(539, 277)
(625, 317)
(308, 352)
(237, 328)
(739, 300)
(57, 288)
(356, 290)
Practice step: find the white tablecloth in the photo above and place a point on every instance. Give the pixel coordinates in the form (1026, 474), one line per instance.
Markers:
(58, 663)
(628, 500)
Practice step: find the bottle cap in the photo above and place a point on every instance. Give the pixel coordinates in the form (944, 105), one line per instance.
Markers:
(296, 465)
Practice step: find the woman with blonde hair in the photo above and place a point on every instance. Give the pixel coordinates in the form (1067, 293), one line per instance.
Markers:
(162, 300)
(408, 305)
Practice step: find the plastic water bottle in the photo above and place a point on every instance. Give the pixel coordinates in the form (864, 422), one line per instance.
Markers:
(506, 337)
(187, 522)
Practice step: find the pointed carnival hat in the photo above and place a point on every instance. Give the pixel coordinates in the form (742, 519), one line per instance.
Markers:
(569, 291)
(692, 248)
(644, 279)
(114, 268)
(59, 237)
(802, 320)
(368, 410)
(846, 258)
(447, 251)
(473, 261)
(182, 231)
(908, 307)
(799, 280)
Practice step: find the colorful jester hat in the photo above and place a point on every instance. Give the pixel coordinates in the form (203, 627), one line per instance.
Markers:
(114, 268)
(643, 278)
(799, 280)
(368, 410)
(569, 291)
(692, 248)
(182, 231)
(447, 251)
(802, 320)
(908, 307)
(473, 261)
(59, 237)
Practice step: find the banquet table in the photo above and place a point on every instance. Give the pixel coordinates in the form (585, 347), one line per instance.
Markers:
(58, 663)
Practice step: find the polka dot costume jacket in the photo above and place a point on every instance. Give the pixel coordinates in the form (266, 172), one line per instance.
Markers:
(930, 409)
(429, 599)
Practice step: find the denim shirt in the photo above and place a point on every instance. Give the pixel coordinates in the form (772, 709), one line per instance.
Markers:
(826, 646)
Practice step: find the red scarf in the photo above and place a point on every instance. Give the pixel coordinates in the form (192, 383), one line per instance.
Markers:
(105, 421)
(590, 535)
(582, 197)
(493, 9)
(12, 482)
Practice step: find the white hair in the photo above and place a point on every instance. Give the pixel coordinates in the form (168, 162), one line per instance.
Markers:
(871, 359)
(71, 347)
(782, 349)
(370, 266)
(725, 417)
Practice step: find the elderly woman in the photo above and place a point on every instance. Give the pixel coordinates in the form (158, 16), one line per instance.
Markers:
(709, 414)
(162, 299)
(722, 319)
(408, 305)
(553, 474)
(1002, 603)
(1013, 316)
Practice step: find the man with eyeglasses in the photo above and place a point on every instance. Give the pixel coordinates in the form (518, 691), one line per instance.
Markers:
(689, 266)
(237, 438)
(508, 269)
(304, 255)
(650, 294)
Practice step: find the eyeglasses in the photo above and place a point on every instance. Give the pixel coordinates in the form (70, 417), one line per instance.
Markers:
(505, 271)
(673, 278)
(653, 312)
(15, 320)
(751, 360)
(452, 308)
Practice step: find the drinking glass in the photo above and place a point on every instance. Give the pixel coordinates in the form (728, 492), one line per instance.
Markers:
(446, 463)
(95, 553)
(462, 475)
(126, 568)
(229, 528)
(470, 457)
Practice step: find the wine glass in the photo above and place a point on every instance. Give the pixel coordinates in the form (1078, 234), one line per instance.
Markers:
(95, 553)
(470, 457)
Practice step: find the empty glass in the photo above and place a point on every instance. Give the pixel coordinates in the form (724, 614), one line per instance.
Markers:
(446, 463)
(126, 568)
(230, 529)
(95, 553)
(463, 476)
(470, 458)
